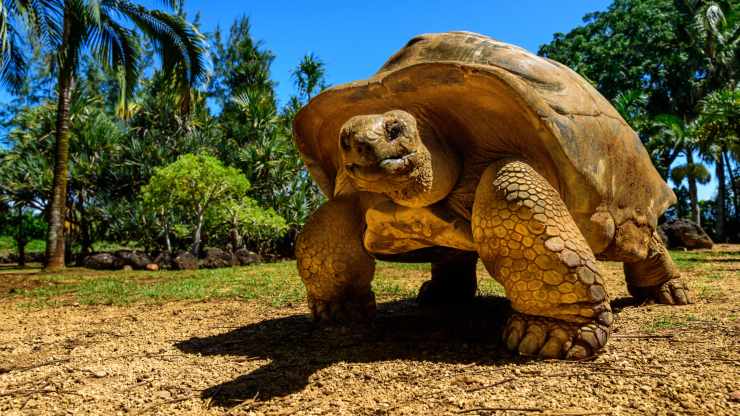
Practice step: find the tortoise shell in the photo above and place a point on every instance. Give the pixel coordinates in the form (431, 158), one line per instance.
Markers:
(493, 100)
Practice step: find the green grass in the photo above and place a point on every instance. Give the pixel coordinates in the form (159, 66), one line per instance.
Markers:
(276, 284)
(665, 323)
(700, 259)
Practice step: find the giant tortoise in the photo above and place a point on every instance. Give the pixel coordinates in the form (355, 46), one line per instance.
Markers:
(462, 147)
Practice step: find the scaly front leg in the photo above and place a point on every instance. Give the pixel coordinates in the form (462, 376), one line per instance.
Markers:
(530, 243)
(334, 265)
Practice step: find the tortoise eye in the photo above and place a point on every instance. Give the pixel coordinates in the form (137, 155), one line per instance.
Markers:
(393, 129)
(344, 140)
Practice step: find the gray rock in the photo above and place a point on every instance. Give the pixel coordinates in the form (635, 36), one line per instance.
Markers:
(135, 259)
(103, 261)
(685, 233)
(216, 258)
(185, 261)
(246, 257)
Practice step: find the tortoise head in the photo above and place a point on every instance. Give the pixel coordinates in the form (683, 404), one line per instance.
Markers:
(395, 154)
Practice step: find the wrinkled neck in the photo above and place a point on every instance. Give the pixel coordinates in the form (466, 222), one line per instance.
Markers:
(436, 179)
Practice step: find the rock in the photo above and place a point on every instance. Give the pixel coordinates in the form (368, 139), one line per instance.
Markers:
(185, 261)
(152, 267)
(164, 260)
(685, 233)
(662, 235)
(136, 260)
(216, 258)
(102, 261)
(127, 268)
(245, 257)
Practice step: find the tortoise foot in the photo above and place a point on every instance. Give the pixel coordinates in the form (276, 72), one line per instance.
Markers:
(552, 338)
(358, 309)
(435, 293)
(672, 292)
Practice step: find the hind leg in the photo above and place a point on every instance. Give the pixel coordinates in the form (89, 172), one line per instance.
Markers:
(453, 279)
(529, 242)
(334, 265)
(656, 278)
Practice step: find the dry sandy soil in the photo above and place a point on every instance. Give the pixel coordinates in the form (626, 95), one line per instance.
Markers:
(234, 357)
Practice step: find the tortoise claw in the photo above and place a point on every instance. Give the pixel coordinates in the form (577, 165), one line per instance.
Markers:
(358, 309)
(552, 338)
(671, 292)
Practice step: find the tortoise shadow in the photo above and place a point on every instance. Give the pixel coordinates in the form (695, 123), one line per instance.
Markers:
(297, 348)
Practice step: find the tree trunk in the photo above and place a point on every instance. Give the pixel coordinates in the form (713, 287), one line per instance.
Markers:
(167, 241)
(693, 195)
(21, 252)
(236, 240)
(735, 186)
(86, 241)
(721, 197)
(196, 235)
(55, 237)
(21, 240)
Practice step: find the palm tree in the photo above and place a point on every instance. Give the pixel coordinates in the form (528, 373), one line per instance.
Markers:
(682, 136)
(716, 34)
(309, 76)
(69, 28)
(719, 128)
(631, 106)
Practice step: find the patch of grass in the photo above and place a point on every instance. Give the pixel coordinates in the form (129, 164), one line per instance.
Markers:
(663, 323)
(487, 286)
(713, 277)
(707, 292)
(276, 284)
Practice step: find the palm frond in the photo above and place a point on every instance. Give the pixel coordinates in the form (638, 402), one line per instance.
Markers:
(13, 64)
(116, 47)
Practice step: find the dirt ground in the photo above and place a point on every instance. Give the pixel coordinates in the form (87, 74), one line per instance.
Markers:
(233, 357)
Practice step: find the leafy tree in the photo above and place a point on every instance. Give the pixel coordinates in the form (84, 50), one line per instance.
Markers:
(272, 163)
(240, 63)
(634, 45)
(67, 30)
(309, 76)
(715, 34)
(24, 225)
(241, 222)
(188, 188)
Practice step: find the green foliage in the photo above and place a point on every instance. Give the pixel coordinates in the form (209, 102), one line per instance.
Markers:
(192, 184)
(256, 138)
(309, 76)
(197, 191)
(242, 222)
(633, 45)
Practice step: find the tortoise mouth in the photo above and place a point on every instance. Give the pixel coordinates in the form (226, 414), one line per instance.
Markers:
(398, 167)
